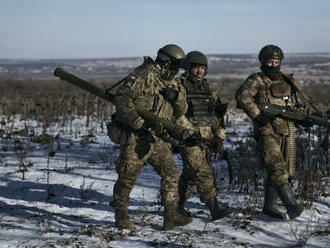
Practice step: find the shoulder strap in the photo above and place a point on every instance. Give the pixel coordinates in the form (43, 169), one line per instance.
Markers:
(296, 85)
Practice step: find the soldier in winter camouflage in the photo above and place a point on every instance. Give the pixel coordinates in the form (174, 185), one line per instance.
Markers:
(148, 88)
(205, 114)
(275, 136)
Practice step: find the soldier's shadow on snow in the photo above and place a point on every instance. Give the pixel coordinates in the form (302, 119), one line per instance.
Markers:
(60, 194)
(87, 150)
(47, 218)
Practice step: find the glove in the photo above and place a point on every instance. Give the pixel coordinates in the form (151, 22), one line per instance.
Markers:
(216, 145)
(306, 123)
(262, 120)
(191, 139)
(138, 123)
(170, 94)
(221, 109)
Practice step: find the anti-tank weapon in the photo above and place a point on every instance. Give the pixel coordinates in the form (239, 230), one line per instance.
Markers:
(153, 121)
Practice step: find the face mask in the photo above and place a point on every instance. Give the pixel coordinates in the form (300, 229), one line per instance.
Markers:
(168, 73)
(273, 73)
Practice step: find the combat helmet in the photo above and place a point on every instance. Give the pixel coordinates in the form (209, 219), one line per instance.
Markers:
(270, 52)
(193, 59)
(171, 54)
(168, 58)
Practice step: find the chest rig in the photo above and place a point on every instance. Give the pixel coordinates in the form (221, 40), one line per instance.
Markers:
(276, 92)
(201, 105)
(280, 93)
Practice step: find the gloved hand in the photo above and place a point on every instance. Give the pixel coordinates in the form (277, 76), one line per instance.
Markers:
(138, 123)
(306, 123)
(262, 120)
(221, 109)
(216, 144)
(170, 94)
(191, 138)
(144, 129)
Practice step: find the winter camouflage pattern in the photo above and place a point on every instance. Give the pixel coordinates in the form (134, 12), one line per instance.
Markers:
(142, 89)
(272, 136)
(196, 168)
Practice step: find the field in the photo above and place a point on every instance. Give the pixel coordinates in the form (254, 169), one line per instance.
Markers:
(58, 170)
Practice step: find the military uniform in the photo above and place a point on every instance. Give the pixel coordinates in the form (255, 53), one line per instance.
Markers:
(142, 89)
(196, 168)
(203, 115)
(271, 135)
(275, 136)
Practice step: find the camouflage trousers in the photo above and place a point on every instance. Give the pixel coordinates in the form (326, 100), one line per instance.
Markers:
(196, 172)
(133, 156)
(270, 149)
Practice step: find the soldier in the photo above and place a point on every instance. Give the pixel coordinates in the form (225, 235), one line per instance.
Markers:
(148, 88)
(275, 136)
(205, 114)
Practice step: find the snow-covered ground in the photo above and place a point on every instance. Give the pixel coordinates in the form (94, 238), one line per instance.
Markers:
(64, 200)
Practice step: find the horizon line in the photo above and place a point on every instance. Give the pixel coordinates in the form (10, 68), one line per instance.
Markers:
(133, 57)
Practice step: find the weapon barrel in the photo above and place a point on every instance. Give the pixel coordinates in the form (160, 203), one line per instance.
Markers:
(173, 130)
(273, 110)
(66, 76)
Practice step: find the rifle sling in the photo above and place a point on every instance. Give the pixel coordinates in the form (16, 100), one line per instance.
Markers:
(297, 86)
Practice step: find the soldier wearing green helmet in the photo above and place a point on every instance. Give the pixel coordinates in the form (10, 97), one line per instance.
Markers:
(275, 136)
(205, 114)
(149, 87)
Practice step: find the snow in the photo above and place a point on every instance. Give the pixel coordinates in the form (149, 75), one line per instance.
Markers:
(73, 209)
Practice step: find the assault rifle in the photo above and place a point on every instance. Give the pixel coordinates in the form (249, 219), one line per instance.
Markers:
(175, 131)
(274, 110)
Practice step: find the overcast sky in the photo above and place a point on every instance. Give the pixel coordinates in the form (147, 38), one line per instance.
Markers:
(125, 28)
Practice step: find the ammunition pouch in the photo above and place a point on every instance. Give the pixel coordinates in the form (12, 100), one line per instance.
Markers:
(280, 90)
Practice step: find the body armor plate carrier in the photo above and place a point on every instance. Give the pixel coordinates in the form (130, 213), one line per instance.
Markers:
(201, 105)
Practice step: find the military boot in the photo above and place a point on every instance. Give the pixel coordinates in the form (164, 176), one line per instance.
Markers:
(218, 210)
(294, 209)
(181, 207)
(172, 218)
(121, 219)
(270, 203)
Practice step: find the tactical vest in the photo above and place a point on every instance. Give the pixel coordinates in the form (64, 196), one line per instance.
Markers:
(279, 93)
(201, 105)
(275, 92)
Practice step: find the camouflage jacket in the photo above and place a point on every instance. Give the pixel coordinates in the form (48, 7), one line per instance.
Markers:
(142, 89)
(258, 88)
(199, 117)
